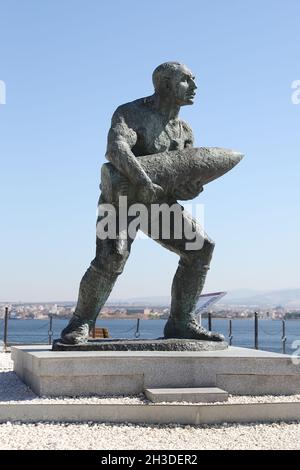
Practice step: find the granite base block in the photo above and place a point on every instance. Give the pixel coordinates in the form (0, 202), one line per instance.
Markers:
(238, 371)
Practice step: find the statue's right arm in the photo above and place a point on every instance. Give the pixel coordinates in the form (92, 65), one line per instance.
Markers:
(121, 139)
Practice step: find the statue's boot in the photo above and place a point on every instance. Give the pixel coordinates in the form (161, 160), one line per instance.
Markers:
(94, 290)
(186, 289)
(190, 330)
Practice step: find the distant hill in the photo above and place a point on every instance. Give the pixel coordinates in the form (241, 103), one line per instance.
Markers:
(288, 298)
(157, 301)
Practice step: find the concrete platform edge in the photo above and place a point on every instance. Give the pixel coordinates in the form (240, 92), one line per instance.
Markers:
(151, 414)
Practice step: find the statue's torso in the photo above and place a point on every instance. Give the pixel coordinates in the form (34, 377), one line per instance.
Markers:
(154, 134)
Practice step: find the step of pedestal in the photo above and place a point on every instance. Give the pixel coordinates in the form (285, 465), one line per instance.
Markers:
(192, 395)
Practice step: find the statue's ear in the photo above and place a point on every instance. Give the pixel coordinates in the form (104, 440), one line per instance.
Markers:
(165, 85)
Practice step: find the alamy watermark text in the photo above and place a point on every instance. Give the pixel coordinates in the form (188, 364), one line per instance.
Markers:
(296, 93)
(2, 92)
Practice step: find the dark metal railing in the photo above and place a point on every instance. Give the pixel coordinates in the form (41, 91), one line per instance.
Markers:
(136, 331)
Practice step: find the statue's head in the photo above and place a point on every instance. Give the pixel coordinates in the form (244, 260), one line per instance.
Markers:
(176, 82)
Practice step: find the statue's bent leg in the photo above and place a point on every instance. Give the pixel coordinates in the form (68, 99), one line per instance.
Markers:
(96, 286)
(188, 281)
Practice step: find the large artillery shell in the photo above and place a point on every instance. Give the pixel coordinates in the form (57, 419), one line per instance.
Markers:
(175, 171)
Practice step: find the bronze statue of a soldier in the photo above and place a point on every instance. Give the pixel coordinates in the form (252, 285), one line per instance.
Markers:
(149, 126)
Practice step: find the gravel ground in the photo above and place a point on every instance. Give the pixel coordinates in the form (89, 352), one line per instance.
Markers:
(5, 361)
(88, 436)
(127, 436)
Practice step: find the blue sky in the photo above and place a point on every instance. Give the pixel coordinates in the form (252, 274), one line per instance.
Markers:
(68, 64)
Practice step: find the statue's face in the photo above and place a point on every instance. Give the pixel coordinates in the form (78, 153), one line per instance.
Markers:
(182, 86)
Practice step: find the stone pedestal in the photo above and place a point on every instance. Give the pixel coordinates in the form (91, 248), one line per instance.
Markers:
(236, 370)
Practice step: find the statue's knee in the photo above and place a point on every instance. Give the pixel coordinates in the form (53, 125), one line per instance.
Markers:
(118, 261)
(202, 256)
(111, 256)
(112, 264)
(209, 247)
